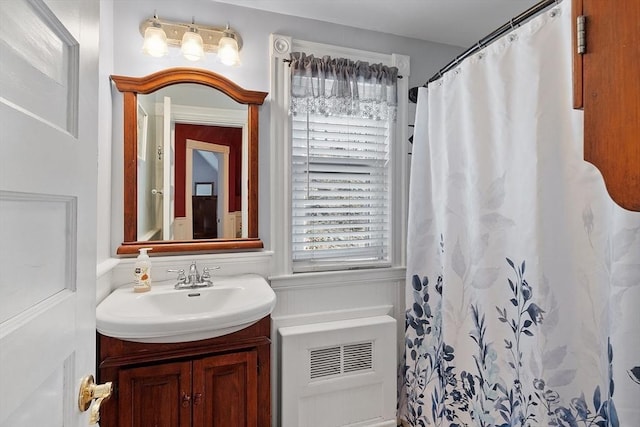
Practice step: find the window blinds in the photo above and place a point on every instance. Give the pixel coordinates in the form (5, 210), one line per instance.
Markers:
(340, 190)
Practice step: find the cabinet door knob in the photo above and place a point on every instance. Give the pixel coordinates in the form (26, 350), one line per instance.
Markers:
(186, 400)
(197, 398)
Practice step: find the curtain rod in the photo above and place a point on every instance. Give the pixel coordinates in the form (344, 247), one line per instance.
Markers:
(484, 42)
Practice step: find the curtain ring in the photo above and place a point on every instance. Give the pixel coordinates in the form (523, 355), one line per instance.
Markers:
(479, 48)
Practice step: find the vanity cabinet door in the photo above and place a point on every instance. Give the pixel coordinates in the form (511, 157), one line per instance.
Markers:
(155, 396)
(225, 390)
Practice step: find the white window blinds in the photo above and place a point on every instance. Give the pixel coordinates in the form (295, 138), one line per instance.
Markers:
(340, 191)
(342, 118)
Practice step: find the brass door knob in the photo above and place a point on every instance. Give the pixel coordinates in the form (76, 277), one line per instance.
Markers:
(90, 391)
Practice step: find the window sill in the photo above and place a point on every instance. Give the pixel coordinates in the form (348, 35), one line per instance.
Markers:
(338, 278)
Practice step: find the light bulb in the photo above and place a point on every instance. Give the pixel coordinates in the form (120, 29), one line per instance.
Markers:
(228, 51)
(155, 41)
(192, 48)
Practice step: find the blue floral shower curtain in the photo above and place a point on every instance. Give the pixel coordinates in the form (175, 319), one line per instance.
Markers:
(523, 277)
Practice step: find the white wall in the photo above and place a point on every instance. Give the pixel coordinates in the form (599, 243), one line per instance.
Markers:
(301, 298)
(254, 27)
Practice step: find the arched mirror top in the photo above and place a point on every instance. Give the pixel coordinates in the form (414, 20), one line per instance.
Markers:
(247, 238)
(172, 76)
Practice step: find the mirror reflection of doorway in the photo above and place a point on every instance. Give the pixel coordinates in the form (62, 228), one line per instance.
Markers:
(205, 201)
(207, 213)
(228, 144)
(178, 115)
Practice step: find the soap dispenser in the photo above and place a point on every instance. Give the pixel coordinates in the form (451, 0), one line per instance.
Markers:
(142, 272)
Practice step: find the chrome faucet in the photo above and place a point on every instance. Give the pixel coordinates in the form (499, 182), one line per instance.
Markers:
(194, 279)
(194, 276)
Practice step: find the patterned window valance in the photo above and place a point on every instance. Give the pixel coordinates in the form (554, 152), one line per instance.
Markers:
(342, 87)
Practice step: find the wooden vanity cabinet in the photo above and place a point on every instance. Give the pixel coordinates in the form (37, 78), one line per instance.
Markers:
(222, 381)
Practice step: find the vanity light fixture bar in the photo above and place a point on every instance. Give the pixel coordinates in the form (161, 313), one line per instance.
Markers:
(215, 39)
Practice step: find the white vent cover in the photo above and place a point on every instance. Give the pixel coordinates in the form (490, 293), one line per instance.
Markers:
(357, 357)
(338, 360)
(340, 373)
(325, 362)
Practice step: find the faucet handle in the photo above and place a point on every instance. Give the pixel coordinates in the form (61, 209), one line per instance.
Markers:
(206, 273)
(182, 278)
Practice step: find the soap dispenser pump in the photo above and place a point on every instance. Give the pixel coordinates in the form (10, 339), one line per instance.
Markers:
(142, 272)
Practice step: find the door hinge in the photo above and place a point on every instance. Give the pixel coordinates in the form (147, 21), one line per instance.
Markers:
(581, 35)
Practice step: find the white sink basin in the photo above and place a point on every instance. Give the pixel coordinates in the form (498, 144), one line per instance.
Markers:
(165, 315)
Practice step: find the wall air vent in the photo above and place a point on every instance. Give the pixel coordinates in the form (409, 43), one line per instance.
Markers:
(325, 362)
(358, 357)
(337, 360)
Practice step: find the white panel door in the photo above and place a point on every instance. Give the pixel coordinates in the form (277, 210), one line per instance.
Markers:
(48, 163)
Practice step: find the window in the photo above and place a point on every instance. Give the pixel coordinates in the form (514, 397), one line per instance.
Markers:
(339, 179)
(339, 190)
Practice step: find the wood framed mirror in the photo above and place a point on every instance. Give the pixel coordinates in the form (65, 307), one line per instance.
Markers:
(166, 238)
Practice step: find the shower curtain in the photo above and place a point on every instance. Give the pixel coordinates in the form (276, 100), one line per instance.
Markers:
(523, 276)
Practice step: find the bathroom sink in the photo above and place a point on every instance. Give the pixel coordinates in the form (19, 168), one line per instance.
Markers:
(165, 315)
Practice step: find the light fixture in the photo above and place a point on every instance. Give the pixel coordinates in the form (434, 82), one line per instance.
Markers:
(228, 49)
(155, 39)
(192, 48)
(193, 39)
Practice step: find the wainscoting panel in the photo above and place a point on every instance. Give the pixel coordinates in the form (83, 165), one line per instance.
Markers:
(307, 300)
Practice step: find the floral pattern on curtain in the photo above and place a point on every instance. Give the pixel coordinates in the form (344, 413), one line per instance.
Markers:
(342, 87)
(523, 276)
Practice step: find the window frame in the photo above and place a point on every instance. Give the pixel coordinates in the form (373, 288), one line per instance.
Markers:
(280, 154)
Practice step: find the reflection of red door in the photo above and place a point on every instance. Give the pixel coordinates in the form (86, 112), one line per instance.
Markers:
(228, 136)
